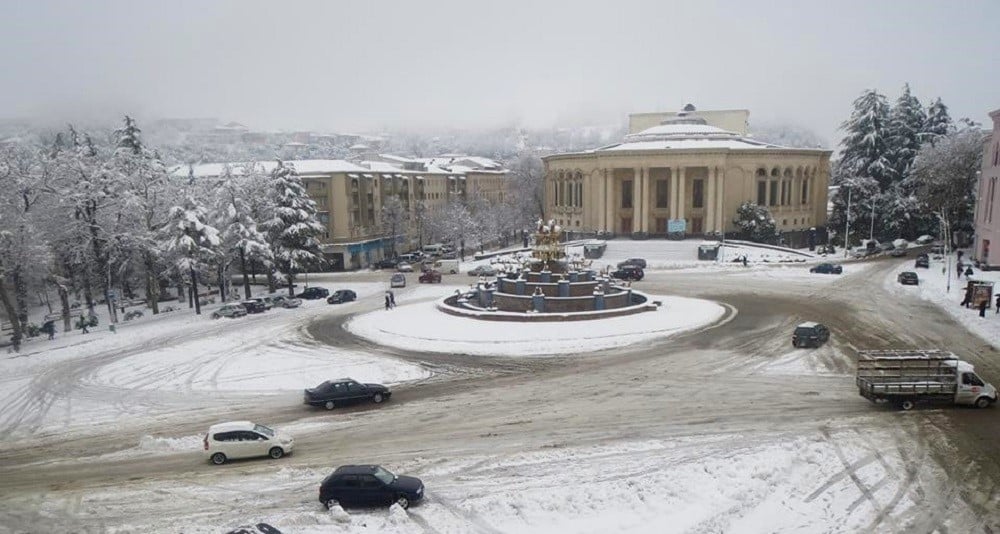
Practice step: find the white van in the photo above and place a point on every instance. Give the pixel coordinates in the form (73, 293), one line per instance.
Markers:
(435, 250)
(446, 266)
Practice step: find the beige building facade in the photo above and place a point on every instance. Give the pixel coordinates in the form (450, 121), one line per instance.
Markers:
(685, 177)
(987, 216)
(349, 199)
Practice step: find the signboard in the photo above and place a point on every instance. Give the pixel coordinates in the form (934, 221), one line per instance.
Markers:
(676, 226)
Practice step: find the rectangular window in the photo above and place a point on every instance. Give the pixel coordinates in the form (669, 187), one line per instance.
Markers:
(773, 200)
(993, 194)
(698, 193)
(805, 191)
(761, 193)
(627, 194)
(662, 193)
(661, 225)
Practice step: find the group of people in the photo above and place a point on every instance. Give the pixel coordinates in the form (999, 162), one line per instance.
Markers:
(390, 300)
(984, 303)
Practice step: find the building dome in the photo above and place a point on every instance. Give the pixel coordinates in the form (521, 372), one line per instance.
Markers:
(683, 126)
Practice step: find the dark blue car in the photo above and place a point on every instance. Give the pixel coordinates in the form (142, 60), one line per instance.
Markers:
(369, 485)
(827, 268)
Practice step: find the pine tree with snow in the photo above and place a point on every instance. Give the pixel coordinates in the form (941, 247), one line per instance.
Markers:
(128, 137)
(191, 240)
(866, 141)
(938, 122)
(293, 226)
(906, 125)
(242, 240)
(755, 223)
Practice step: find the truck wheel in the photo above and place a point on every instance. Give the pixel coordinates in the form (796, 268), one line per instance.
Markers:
(983, 402)
(906, 405)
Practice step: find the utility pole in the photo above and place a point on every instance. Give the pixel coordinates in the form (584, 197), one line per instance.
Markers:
(871, 234)
(847, 223)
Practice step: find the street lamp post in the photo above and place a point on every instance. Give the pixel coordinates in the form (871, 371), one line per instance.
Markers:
(871, 233)
(847, 222)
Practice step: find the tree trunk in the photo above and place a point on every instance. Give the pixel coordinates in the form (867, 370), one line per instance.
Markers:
(291, 278)
(270, 281)
(20, 295)
(243, 269)
(152, 283)
(194, 292)
(220, 272)
(8, 306)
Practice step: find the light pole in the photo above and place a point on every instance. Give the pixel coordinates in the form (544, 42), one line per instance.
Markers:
(871, 233)
(847, 222)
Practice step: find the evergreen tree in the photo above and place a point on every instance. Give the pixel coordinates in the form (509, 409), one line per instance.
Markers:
(755, 223)
(865, 145)
(128, 137)
(944, 176)
(242, 240)
(192, 241)
(906, 124)
(938, 122)
(293, 227)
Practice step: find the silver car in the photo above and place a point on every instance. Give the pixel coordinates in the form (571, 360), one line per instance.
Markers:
(231, 311)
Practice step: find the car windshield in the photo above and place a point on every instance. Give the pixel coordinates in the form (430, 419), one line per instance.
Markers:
(383, 475)
(804, 331)
(264, 430)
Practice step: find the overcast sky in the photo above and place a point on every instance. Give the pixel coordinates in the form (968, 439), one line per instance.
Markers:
(344, 65)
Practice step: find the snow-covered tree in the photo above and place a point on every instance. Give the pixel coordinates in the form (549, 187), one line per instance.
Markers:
(938, 122)
(191, 240)
(864, 145)
(528, 191)
(906, 126)
(293, 226)
(242, 240)
(394, 220)
(755, 223)
(452, 224)
(944, 176)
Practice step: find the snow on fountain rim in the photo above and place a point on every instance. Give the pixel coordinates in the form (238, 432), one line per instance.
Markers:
(422, 327)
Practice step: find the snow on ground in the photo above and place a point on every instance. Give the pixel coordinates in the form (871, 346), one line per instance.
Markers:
(423, 327)
(934, 288)
(835, 480)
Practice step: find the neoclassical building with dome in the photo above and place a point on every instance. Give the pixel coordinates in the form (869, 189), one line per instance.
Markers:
(686, 176)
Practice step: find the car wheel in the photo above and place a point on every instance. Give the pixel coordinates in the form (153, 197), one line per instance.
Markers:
(332, 503)
(328, 405)
(215, 316)
(983, 402)
(275, 452)
(403, 502)
(218, 458)
(906, 405)
(377, 398)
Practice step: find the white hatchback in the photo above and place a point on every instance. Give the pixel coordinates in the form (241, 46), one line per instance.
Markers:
(244, 439)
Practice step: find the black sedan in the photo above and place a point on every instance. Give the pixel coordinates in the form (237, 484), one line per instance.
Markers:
(341, 295)
(388, 263)
(333, 393)
(922, 261)
(827, 268)
(369, 485)
(629, 272)
(638, 262)
(908, 278)
(313, 293)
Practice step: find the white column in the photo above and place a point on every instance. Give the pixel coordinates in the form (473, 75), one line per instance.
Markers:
(609, 201)
(681, 199)
(710, 201)
(674, 181)
(636, 194)
(720, 221)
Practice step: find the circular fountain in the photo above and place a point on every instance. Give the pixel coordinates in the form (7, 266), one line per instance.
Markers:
(547, 286)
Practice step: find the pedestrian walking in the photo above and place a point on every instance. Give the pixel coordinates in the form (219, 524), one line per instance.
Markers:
(744, 260)
(968, 272)
(968, 297)
(392, 299)
(387, 302)
(958, 269)
(998, 302)
(983, 304)
(49, 328)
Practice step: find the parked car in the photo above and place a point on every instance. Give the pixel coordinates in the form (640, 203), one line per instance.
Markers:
(430, 277)
(284, 301)
(231, 311)
(886, 247)
(404, 267)
(369, 485)
(827, 268)
(265, 301)
(313, 293)
(908, 278)
(482, 270)
(925, 239)
(898, 252)
(243, 439)
(922, 261)
(860, 252)
(333, 393)
(341, 296)
(254, 306)
(397, 280)
(629, 272)
(638, 262)
(810, 335)
(386, 263)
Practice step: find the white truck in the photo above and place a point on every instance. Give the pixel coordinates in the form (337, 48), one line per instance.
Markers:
(906, 377)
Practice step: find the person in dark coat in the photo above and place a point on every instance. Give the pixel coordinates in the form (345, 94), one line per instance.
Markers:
(968, 297)
(744, 260)
(392, 299)
(49, 328)
(387, 301)
(968, 272)
(998, 302)
(983, 304)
